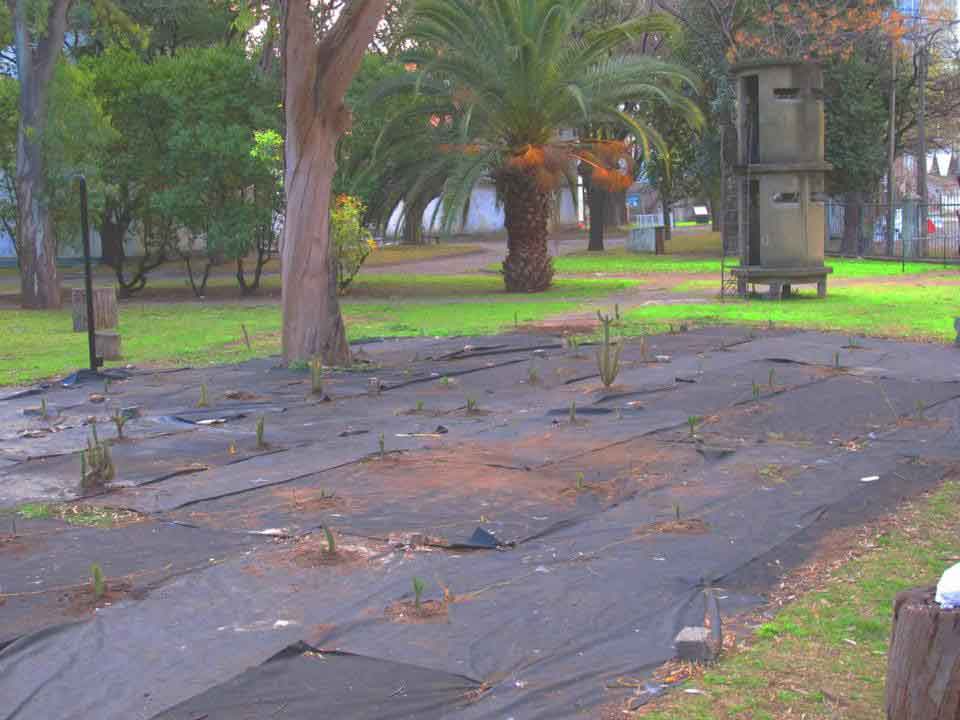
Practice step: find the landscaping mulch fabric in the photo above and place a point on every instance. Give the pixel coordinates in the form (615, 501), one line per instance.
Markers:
(562, 532)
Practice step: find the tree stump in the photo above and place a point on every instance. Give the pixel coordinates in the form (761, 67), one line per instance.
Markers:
(108, 345)
(923, 672)
(104, 309)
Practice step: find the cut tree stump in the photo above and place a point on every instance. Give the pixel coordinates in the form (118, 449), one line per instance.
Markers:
(108, 345)
(923, 672)
(104, 309)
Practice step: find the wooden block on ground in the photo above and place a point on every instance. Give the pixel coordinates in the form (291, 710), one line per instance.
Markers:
(923, 671)
(108, 345)
(104, 309)
(694, 644)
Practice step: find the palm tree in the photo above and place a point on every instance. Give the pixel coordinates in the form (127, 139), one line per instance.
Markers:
(497, 82)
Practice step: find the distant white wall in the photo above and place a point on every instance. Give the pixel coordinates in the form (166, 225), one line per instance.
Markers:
(483, 215)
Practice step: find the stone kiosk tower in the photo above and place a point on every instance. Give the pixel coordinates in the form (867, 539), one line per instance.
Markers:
(781, 168)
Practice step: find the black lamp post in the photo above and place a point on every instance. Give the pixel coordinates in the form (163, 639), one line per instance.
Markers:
(95, 362)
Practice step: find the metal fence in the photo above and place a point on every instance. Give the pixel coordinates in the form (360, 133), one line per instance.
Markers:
(920, 232)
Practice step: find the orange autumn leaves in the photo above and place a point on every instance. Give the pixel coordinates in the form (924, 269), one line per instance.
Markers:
(816, 29)
(610, 161)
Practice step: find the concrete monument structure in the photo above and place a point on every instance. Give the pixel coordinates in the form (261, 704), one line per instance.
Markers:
(781, 169)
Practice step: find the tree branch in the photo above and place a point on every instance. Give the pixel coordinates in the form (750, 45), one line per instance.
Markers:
(341, 50)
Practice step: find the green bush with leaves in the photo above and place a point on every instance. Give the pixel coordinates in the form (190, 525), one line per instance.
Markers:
(352, 241)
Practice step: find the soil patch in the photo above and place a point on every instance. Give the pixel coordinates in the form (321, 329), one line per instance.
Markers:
(82, 602)
(691, 526)
(429, 611)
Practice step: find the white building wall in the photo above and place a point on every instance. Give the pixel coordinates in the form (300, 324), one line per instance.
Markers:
(484, 215)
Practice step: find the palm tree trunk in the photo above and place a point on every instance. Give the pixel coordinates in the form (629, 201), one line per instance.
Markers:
(526, 206)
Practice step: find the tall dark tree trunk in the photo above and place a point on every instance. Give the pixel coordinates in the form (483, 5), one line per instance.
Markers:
(526, 207)
(852, 216)
(316, 78)
(413, 223)
(716, 208)
(113, 232)
(597, 201)
(667, 219)
(615, 208)
(36, 59)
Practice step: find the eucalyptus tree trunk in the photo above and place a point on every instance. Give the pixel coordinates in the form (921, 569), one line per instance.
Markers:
(37, 54)
(316, 78)
(526, 207)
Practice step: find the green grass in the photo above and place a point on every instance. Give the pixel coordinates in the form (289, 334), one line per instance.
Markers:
(824, 655)
(907, 311)
(41, 344)
(621, 262)
(76, 514)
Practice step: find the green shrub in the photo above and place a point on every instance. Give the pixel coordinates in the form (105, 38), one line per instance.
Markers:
(351, 241)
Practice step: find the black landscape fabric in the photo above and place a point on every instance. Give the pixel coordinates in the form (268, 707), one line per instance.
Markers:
(562, 532)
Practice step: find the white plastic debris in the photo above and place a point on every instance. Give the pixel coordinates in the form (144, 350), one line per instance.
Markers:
(870, 479)
(948, 589)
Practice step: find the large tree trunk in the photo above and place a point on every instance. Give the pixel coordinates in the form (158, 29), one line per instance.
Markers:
(316, 78)
(36, 58)
(923, 672)
(526, 208)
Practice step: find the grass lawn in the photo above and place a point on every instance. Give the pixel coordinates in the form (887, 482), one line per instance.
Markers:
(41, 344)
(621, 262)
(824, 655)
(892, 310)
(224, 274)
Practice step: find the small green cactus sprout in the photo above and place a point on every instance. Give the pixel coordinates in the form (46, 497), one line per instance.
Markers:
(692, 422)
(419, 406)
(43, 408)
(608, 356)
(383, 446)
(204, 400)
(96, 464)
(331, 541)
(616, 311)
(921, 407)
(119, 420)
(573, 412)
(756, 391)
(773, 378)
(836, 360)
(581, 482)
(261, 431)
(98, 583)
(316, 376)
(418, 588)
(533, 375)
(471, 405)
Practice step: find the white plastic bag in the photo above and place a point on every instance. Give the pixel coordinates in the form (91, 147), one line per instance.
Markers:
(948, 589)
